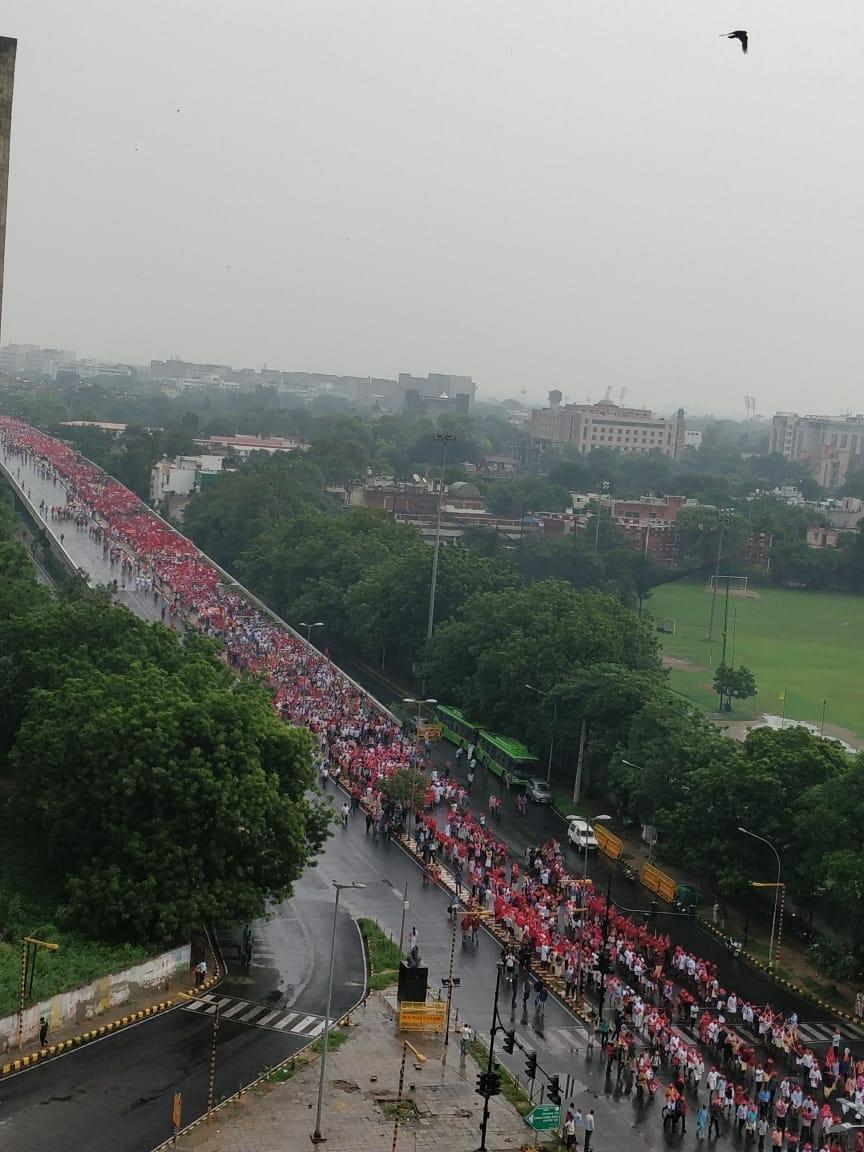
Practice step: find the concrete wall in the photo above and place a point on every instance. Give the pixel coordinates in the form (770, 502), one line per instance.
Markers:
(82, 1004)
(7, 81)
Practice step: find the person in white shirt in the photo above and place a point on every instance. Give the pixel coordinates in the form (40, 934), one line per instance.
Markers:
(589, 1128)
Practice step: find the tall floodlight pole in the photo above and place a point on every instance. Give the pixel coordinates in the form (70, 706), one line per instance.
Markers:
(444, 439)
(725, 517)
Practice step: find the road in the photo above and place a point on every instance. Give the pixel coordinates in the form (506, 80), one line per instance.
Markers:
(115, 1094)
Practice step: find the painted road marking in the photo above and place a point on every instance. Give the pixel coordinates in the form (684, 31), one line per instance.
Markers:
(235, 1008)
(265, 1020)
(255, 1010)
(257, 1015)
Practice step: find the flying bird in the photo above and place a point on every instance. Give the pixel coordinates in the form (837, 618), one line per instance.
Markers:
(739, 35)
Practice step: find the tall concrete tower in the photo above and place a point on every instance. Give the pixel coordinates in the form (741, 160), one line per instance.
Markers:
(7, 83)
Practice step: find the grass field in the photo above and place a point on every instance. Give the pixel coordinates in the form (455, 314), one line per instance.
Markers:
(806, 646)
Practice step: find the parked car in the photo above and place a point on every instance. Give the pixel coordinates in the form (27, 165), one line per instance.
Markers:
(538, 791)
(581, 834)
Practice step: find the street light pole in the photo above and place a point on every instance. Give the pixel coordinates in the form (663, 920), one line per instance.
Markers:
(725, 516)
(540, 692)
(309, 627)
(317, 1138)
(603, 816)
(603, 955)
(747, 832)
(604, 488)
(444, 439)
(410, 700)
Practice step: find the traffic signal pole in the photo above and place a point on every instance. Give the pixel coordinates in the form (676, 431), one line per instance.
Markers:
(490, 1064)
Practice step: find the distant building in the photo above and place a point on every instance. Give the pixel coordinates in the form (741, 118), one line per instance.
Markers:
(437, 393)
(173, 482)
(32, 358)
(846, 513)
(243, 446)
(819, 537)
(178, 369)
(607, 425)
(8, 47)
(434, 405)
(115, 430)
(829, 446)
(692, 438)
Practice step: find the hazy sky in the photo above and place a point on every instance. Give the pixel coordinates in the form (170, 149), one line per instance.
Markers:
(541, 193)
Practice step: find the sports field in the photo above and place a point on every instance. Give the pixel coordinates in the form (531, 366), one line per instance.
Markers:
(805, 646)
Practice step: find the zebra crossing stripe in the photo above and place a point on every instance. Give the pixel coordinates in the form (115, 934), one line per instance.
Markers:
(254, 1011)
(302, 1025)
(284, 1023)
(235, 1008)
(815, 1032)
(319, 1028)
(215, 1002)
(266, 1019)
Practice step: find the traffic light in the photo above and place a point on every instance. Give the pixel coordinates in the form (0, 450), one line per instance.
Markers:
(488, 1084)
(553, 1093)
(531, 1066)
(509, 1041)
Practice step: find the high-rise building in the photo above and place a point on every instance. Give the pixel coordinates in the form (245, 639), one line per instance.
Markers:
(829, 446)
(8, 48)
(607, 425)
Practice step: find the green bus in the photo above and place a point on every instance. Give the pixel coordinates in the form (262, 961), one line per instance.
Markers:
(456, 727)
(505, 757)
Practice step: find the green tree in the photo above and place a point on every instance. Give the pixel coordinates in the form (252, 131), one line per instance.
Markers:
(733, 684)
(406, 787)
(161, 800)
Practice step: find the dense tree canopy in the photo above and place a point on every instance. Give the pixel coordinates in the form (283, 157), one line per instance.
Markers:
(161, 791)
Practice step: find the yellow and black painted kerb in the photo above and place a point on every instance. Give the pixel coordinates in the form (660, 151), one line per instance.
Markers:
(805, 993)
(22, 1063)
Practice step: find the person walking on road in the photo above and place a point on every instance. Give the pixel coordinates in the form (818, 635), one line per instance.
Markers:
(200, 973)
(43, 1031)
(589, 1128)
(702, 1118)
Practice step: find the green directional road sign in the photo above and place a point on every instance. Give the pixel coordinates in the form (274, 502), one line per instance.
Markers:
(544, 1117)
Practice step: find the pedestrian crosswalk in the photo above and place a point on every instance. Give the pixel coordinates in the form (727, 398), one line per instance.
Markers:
(821, 1031)
(564, 1040)
(257, 1015)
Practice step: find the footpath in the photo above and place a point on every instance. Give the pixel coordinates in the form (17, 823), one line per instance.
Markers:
(441, 1111)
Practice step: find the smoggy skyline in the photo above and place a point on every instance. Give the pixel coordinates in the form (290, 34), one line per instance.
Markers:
(565, 195)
